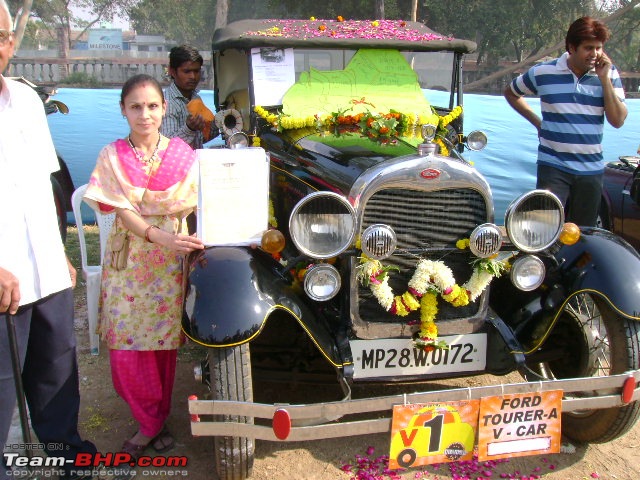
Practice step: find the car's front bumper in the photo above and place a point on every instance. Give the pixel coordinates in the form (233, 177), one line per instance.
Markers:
(579, 394)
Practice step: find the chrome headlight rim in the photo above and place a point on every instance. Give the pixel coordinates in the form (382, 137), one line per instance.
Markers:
(385, 234)
(313, 273)
(513, 209)
(476, 140)
(238, 140)
(522, 262)
(340, 248)
(483, 231)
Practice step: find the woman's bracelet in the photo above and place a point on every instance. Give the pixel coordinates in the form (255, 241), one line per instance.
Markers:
(147, 231)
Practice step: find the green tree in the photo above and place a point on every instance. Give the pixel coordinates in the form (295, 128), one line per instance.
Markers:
(624, 45)
(348, 9)
(180, 22)
(504, 29)
(57, 15)
(192, 21)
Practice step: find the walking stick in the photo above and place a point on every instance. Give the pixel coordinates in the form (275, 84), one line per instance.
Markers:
(17, 377)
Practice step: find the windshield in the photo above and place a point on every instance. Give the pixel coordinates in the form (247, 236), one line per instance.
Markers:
(275, 70)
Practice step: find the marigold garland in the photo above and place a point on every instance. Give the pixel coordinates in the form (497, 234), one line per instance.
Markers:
(383, 127)
(431, 278)
(442, 128)
(444, 151)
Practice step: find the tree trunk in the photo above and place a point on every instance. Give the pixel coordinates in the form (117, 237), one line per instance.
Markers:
(414, 10)
(222, 13)
(63, 50)
(21, 22)
(379, 12)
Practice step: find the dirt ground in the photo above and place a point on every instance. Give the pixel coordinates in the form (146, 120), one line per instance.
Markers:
(105, 419)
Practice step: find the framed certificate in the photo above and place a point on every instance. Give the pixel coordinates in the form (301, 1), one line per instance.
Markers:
(233, 196)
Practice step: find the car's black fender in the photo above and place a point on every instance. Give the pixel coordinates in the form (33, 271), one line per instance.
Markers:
(600, 263)
(230, 293)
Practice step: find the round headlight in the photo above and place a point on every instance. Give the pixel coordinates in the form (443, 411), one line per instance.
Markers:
(238, 140)
(534, 221)
(322, 282)
(476, 140)
(322, 225)
(378, 241)
(527, 272)
(485, 240)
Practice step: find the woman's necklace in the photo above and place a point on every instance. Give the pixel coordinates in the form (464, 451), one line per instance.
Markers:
(139, 155)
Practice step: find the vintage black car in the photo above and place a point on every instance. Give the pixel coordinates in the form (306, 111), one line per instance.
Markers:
(382, 263)
(619, 212)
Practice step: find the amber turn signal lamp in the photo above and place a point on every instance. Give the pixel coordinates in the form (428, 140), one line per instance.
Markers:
(272, 241)
(570, 234)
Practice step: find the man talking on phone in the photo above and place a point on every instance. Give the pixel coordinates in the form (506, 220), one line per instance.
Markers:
(577, 91)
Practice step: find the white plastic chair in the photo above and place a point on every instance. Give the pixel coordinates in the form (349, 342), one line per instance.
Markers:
(91, 273)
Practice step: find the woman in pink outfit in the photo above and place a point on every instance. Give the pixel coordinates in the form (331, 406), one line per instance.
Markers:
(150, 182)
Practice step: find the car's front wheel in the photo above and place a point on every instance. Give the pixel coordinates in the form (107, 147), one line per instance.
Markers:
(230, 376)
(591, 340)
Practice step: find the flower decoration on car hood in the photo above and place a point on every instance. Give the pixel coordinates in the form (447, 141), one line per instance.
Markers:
(431, 279)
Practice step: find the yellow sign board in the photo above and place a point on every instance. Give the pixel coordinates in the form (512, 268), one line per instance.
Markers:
(422, 434)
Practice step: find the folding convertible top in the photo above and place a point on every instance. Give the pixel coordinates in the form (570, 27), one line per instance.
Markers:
(335, 34)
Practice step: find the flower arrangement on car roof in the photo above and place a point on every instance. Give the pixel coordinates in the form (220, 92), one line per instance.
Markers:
(347, 29)
(431, 279)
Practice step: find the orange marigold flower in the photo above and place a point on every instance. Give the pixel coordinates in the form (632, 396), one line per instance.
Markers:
(340, 18)
(384, 130)
(322, 28)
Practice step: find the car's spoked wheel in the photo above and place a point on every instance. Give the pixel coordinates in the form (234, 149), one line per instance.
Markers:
(230, 377)
(591, 340)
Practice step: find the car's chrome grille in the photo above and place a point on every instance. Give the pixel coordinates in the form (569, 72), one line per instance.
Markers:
(427, 224)
(426, 219)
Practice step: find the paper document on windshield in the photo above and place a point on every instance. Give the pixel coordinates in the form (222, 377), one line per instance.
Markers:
(233, 196)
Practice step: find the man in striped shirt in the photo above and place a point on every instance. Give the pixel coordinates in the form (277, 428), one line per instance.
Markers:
(577, 91)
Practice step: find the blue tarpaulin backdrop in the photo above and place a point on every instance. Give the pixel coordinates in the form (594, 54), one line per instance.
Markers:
(508, 162)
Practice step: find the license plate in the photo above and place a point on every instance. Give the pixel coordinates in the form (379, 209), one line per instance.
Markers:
(390, 357)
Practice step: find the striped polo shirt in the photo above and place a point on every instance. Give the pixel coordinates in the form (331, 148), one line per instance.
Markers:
(572, 114)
